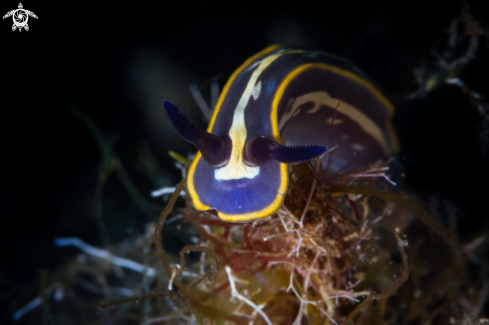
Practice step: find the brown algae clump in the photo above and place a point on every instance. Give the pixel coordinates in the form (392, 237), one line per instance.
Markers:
(317, 258)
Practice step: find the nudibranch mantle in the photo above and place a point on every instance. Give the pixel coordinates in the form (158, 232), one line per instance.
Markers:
(292, 97)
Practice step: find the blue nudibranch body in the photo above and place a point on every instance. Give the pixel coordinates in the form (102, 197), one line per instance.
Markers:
(279, 100)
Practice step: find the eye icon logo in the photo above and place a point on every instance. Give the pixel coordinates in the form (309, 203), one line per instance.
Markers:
(20, 17)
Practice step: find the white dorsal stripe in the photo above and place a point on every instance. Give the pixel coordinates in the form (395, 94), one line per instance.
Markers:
(236, 167)
(256, 90)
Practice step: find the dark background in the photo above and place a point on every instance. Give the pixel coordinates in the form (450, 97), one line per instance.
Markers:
(118, 62)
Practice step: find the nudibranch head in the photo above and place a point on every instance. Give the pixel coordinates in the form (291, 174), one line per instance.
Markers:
(244, 187)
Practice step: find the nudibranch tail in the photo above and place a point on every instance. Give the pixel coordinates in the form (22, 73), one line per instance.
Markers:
(210, 145)
(262, 149)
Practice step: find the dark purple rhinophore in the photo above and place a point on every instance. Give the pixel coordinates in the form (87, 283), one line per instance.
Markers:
(211, 146)
(259, 150)
(263, 149)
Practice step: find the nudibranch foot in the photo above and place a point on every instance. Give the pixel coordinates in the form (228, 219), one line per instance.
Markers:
(211, 146)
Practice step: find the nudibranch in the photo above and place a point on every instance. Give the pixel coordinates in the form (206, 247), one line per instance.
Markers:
(283, 105)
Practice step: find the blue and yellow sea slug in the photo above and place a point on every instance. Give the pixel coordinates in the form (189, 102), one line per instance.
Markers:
(282, 106)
